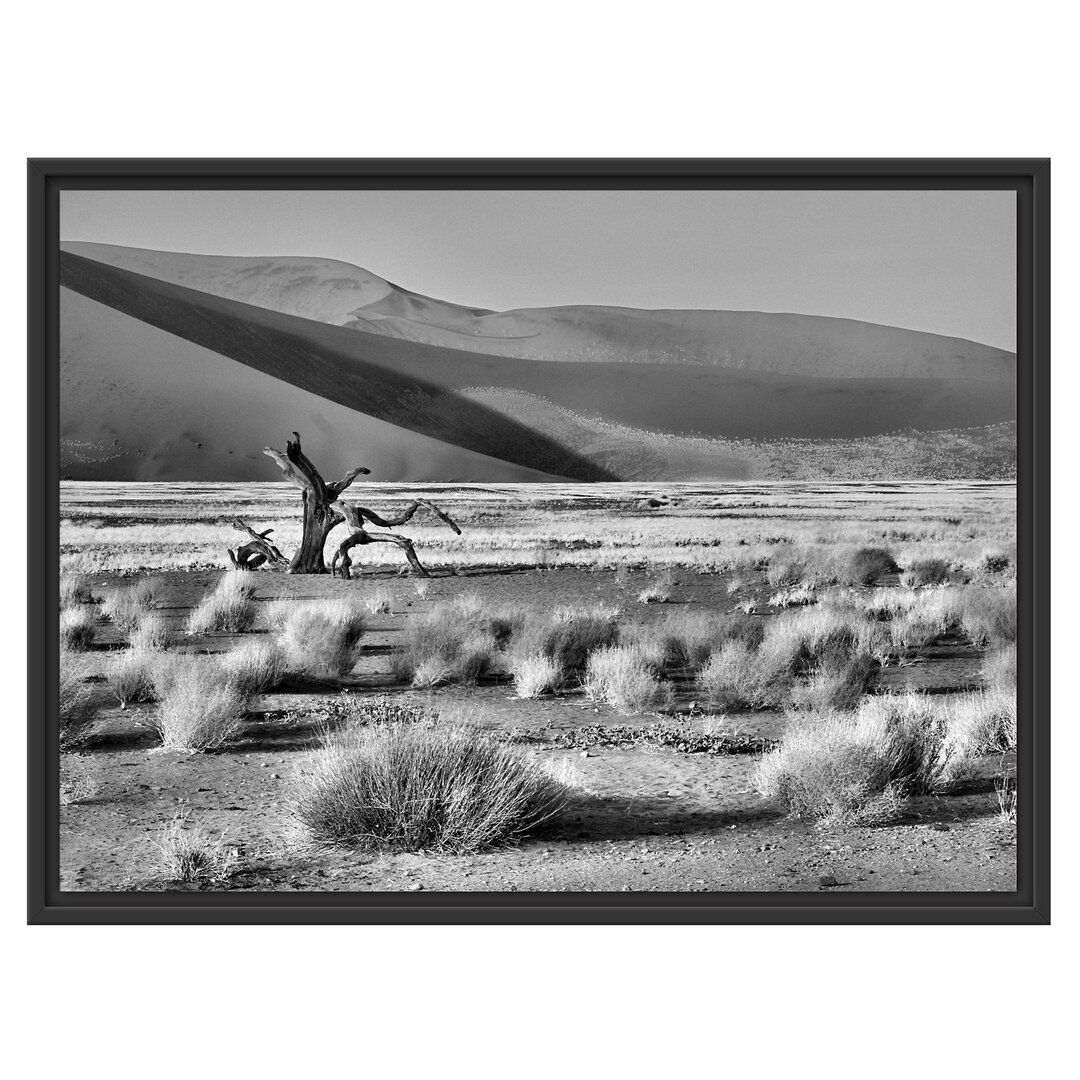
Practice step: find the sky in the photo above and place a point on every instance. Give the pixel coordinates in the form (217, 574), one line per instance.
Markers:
(939, 261)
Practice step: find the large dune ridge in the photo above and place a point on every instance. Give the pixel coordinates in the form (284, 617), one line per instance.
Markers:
(140, 404)
(340, 294)
(163, 380)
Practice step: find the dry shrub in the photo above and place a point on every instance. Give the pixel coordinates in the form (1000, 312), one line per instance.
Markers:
(199, 706)
(147, 593)
(77, 628)
(151, 634)
(74, 589)
(255, 667)
(797, 596)
(858, 768)
(378, 602)
(999, 669)
(995, 562)
(983, 722)
(188, 853)
(453, 643)
(926, 572)
(121, 608)
(785, 572)
(869, 564)
(911, 630)
(130, 676)
(736, 677)
(230, 607)
(988, 615)
(321, 639)
(76, 712)
(798, 642)
(658, 592)
(836, 686)
(1005, 793)
(534, 675)
(424, 786)
(622, 676)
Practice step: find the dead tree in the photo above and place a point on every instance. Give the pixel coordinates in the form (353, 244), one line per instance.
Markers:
(324, 510)
(256, 551)
(320, 514)
(357, 515)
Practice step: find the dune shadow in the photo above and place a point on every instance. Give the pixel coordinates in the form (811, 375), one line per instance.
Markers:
(363, 372)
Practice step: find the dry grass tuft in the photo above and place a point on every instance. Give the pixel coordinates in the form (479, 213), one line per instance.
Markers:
(453, 643)
(622, 676)
(988, 615)
(151, 634)
(74, 589)
(255, 667)
(535, 675)
(378, 602)
(321, 639)
(231, 607)
(999, 669)
(76, 711)
(425, 786)
(869, 564)
(189, 854)
(77, 628)
(737, 677)
(926, 572)
(199, 707)
(858, 769)
(130, 676)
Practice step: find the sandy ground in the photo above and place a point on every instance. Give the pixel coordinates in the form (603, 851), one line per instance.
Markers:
(649, 818)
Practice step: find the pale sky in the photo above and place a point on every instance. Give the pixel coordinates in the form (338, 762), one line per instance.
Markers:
(940, 261)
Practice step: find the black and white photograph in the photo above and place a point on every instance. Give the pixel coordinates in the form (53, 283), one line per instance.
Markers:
(545, 541)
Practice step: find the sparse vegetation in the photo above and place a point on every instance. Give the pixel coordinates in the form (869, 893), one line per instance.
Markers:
(76, 710)
(870, 564)
(534, 675)
(150, 634)
(378, 602)
(230, 607)
(620, 675)
(199, 707)
(255, 667)
(74, 589)
(130, 676)
(320, 639)
(452, 643)
(188, 853)
(925, 572)
(859, 768)
(77, 628)
(424, 786)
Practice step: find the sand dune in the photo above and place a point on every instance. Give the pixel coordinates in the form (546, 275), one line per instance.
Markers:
(344, 295)
(137, 403)
(210, 357)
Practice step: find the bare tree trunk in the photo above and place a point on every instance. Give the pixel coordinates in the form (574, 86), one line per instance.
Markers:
(319, 497)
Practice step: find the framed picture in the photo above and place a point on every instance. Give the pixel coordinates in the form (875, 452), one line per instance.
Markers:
(539, 541)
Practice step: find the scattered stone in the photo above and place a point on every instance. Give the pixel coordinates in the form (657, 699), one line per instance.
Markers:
(827, 881)
(415, 887)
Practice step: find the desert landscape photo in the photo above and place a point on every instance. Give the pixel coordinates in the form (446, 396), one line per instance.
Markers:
(539, 541)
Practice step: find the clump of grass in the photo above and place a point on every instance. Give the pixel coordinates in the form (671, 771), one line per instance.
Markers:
(999, 669)
(230, 607)
(79, 785)
(736, 677)
(982, 722)
(988, 615)
(77, 628)
(621, 676)
(424, 786)
(199, 706)
(926, 572)
(378, 602)
(151, 634)
(255, 667)
(421, 587)
(859, 768)
(869, 564)
(656, 592)
(995, 562)
(534, 675)
(785, 572)
(320, 639)
(74, 589)
(836, 686)
(130, 676)
(121, 608)
(797, 596)
(147, 593)
(189, 854)
(1005, 794)
(76, 711)
(452, 643)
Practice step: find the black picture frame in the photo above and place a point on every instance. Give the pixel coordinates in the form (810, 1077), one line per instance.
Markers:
(1028, 177)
